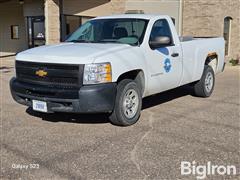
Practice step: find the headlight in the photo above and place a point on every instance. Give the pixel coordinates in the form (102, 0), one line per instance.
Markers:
(97, 73)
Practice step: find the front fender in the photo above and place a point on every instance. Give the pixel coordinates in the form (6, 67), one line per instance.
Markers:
(124, 61)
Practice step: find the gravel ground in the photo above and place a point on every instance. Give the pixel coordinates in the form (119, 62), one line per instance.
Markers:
(174, 126)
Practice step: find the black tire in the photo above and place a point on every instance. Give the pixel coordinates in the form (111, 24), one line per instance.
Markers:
(201, 88)
(118, 116)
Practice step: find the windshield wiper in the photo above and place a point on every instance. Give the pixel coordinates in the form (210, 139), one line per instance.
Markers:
(99, 41)
(111, 41)
(106, 41)
(80, 41)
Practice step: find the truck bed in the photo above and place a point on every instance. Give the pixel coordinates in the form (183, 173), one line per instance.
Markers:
(195, 51)
(191, 38)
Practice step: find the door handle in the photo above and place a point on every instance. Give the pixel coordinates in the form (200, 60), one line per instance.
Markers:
(174, 54)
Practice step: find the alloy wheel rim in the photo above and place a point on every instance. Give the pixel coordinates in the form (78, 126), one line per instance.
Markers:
(130, 103)
(209, 82)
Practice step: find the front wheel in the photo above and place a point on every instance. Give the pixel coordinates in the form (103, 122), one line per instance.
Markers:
(128, 104)
(204, 87)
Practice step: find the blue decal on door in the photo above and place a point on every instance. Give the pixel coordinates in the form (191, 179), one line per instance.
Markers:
(163, 50)
(167, 65)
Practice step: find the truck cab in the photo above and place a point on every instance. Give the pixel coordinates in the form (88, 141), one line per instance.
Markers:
(110, 63)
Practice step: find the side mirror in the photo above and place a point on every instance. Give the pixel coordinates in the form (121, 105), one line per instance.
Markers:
(160, 41)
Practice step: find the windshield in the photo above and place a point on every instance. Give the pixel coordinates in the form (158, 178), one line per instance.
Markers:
(126, 31)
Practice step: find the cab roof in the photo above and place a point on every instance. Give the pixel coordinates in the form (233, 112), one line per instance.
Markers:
(137, 16)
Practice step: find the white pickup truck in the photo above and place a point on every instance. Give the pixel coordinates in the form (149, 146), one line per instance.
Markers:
(110, 63)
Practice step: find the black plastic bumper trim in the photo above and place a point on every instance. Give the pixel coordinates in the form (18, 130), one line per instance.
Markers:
(89, 99)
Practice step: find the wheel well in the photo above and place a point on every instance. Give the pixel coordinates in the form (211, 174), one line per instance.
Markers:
(212, 60)
(136, 75)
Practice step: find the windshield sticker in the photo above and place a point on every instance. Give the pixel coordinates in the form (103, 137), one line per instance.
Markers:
(167, 65)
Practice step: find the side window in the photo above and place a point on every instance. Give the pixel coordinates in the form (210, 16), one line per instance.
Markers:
(160, 28)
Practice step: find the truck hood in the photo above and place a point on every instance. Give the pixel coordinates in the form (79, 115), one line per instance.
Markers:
(70, 53)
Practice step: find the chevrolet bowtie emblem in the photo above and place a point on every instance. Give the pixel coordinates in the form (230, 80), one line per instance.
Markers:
(41, 73)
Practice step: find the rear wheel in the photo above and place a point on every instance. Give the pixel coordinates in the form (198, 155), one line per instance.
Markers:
(128, 104)
(204, 87)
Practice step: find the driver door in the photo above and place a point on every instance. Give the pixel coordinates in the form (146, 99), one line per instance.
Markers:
(164, 62)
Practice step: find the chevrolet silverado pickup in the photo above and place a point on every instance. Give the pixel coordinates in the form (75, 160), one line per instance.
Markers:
(110, 63)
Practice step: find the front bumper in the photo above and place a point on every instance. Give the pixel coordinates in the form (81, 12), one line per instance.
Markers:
(87, 99)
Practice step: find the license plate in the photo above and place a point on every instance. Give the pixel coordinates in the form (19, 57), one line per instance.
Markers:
(39, 106)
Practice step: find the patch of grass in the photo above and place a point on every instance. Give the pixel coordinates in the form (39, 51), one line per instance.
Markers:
(234, 62)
